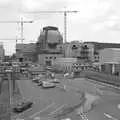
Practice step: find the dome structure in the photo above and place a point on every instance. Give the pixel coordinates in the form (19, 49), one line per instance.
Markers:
(50, 35)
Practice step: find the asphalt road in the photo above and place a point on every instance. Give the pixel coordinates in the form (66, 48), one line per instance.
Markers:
(49, 102)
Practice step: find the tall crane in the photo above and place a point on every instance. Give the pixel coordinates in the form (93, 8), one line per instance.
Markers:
(21, 22)
(65, 19)
(11, 39)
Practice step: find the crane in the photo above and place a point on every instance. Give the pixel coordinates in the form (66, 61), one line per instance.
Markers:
(11, 39)
(21, 22)
(65, 19)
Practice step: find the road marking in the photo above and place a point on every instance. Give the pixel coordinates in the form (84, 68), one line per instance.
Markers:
(110, 117)
(42, 110)
(57, 109)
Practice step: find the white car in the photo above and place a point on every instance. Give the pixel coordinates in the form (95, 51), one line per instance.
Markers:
(46, 84)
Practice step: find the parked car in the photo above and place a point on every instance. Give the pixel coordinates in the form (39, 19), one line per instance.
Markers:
(35, 80)
(40, 83)
(54, 81)
(46, 84)
(22, 106)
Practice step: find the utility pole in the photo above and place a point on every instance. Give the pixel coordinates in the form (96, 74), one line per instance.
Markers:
(65, 19)
(21, 22)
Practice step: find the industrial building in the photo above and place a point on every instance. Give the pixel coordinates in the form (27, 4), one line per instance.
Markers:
(49, 46)
(2, 52)
(25, 52)
(64, 64)
(109, 59)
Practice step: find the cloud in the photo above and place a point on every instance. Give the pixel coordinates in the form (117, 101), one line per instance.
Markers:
(113, 23)
(36, 5)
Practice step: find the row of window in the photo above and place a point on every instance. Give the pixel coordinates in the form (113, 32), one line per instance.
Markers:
(51, 57)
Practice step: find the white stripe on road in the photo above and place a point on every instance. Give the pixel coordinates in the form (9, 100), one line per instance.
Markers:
(57, 109)
(42, 110)
(110, 117)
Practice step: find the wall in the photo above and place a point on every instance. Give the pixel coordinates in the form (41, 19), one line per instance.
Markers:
(25, 51)
(108, 55)
(42, 58)
(64, 64)
(2, 53)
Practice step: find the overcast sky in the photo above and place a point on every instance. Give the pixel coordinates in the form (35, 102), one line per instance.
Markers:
(98, 20)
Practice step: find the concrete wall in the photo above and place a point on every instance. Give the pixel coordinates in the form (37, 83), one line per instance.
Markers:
(109, 55)
(64, 64)
(2, 53)
(25, 51)
(42, 58)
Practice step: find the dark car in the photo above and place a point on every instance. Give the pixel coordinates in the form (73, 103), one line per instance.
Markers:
(22, 106)
(54, 81)
(40, 83)
(35, 80)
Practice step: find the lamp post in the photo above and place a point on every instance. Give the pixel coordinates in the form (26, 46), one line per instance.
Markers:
(10, 92)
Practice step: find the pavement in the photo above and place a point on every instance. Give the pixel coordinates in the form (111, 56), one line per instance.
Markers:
(58, 103)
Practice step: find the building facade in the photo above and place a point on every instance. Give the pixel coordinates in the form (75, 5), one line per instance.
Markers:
(2, 52)
(110, 60)
(25, 52)
(64, 64)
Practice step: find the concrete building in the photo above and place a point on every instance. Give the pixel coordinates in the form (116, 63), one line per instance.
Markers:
(2, 52)
(99, 46)
(87, 52)
(72, 49)
(82, 51)
(25, 52)
(49, 46)
(109, 59)
(64, 64)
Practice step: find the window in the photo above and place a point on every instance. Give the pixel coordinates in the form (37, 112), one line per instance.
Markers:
(50, 57)
(54, 57)
(74, 47)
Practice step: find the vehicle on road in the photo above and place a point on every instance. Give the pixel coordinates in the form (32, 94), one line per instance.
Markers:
(35, 80)
(40, 83)
(22, 106)
(54, 81)
(46, 84)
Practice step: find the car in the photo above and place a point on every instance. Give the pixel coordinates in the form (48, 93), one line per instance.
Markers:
(66, 119)
(35, 80)
(22, 106)
(46, 84)
(54, 81)
(40, 83)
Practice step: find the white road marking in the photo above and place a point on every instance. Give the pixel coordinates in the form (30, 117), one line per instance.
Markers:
(42, 110)
(57, 109)
(110, 117)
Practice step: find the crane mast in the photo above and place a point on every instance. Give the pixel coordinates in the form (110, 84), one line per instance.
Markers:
(21, 22)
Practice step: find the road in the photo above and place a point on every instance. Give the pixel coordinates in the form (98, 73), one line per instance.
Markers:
(48, 102)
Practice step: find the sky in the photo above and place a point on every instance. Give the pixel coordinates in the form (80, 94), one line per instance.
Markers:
(96, 20)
